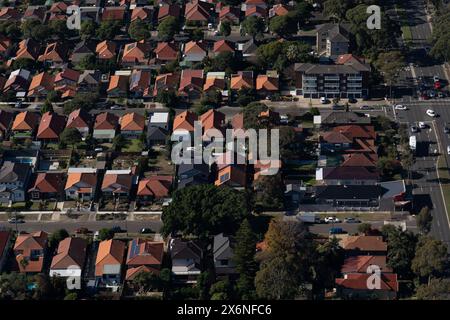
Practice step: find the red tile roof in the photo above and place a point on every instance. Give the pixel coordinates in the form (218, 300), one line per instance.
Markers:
(48, 182)
(223, 46)
(145, 252)
(364, 243)
(106, 121)
(198, 11)
(359, 264)
(166, 51)
(71, 252)
(51, 126)
(185, 120)
(78, 119)
(358, 281)
(155, 186)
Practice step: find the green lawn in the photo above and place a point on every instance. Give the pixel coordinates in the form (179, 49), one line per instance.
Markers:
(134, 145)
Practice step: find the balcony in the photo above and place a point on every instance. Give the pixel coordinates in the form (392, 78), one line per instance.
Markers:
(354, 85)
(354, 78)
(332, 78)
(309, 78)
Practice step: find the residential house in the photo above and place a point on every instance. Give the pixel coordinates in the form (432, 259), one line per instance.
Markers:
(18, 81)
(47, 185)
(347, 80)
(50, 127)
(89, 81)
(143, 256)
(231, 14)
(142, 13)
(347, 176)
(41, 85)
(9, 14)
(118, 86)
(83, 49)
(349, 139)
(212, 120)
(335, 118)
(222, 46)
(256, 3)
(360, 264)
(332, 39)
(81, 120)
(106, 50)
(159, 119)
(168, 10)
(5, 244)
(113, 13)
(215, 81)
(248, 50)
(165, 82)
(223, 254)
(30, 251)
(364, 245)
(58, 11)
(183, 124)
(6, 120)
(154, 188)
(70, 258)
(354, 286)
(108, 264)
(81, 184)
(186, 259)
(55, 55)
(192, 174)
(255, 11)
(232, 175)
(140, 83)
(156, 136)
(132, 125)
(66, 82)
(136, 53)
(242, 80)
(166, 52)
(194, 51)
(105, 126)
(28, 49)
(25, 124)
(191, 84)
(279, 10)
(117, 184)
(34, 13)
(5, 47)
(267, 84)
(349, 195)
(198, 11)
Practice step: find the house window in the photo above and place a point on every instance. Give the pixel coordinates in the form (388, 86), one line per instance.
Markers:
(35, 195)
(223, 262)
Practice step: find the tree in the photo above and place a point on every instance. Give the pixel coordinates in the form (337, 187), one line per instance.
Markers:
(108, 29)
(253, 26)
(401, 250)
(146, 281)
(204, 210)
(245, 97)
(328, 262)
(56, 237)
(251, 114)
(168, 28)
(244, 258)
(390, 64)
(59, 28)
(270, 191)
(24, 63)
(139, 29)
(119, 142)
(47, 107)
(71, 296)
(430, 259)
(287, 266)
(282, 25)
(224, 61)
(85, 101)
(105, 234)
(424, 219)
(365, 228)
(225, 28)
(13, 286)
(167, 97)
(437, 289)
(335, 9)
(211, 98)
(204, 282)
(11, 29)
(88, 29)
(221, 290)
(70, 136)
(33, 28)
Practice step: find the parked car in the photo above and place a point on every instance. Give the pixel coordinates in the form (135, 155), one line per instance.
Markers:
(82, 230)
(323, 100)
(332, 220)
(448, 149)
(414, 129)
(146, 230)
(446, 129)
(352, 100)
(400, 107)
(116, 107)
(436, 78)
(16, 220)
(422, 125)
(437, 85)
(366, 107)
(337, 230)
(431, 113)
(351, 220)
(18, 105)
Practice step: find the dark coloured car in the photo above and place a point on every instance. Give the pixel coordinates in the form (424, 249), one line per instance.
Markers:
(365, 107)
(351, 220)
(446, 129)
(146, 231)
(337, 230)
(414, 129)
(352, 100)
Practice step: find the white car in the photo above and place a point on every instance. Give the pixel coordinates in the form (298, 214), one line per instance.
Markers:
(332, 220)
(400, 107)
(422, 125)
(448, 149)
(323, 100)
(431, 113)
(436, 79)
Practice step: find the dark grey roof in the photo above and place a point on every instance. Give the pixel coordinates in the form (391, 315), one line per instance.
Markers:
(190, 170)
(90, 77)
(12, 172)
(222, 247)
(349, 192)
(249, 47)
(84, 47)
(393, 188)
(156, 134)
(182, 249)
(310, 68)
(336, 31)
(342, 117)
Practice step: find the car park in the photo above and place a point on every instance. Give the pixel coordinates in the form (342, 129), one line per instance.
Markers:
(431, 113)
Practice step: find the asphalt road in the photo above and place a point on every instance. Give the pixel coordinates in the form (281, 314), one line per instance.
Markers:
(49, 226)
